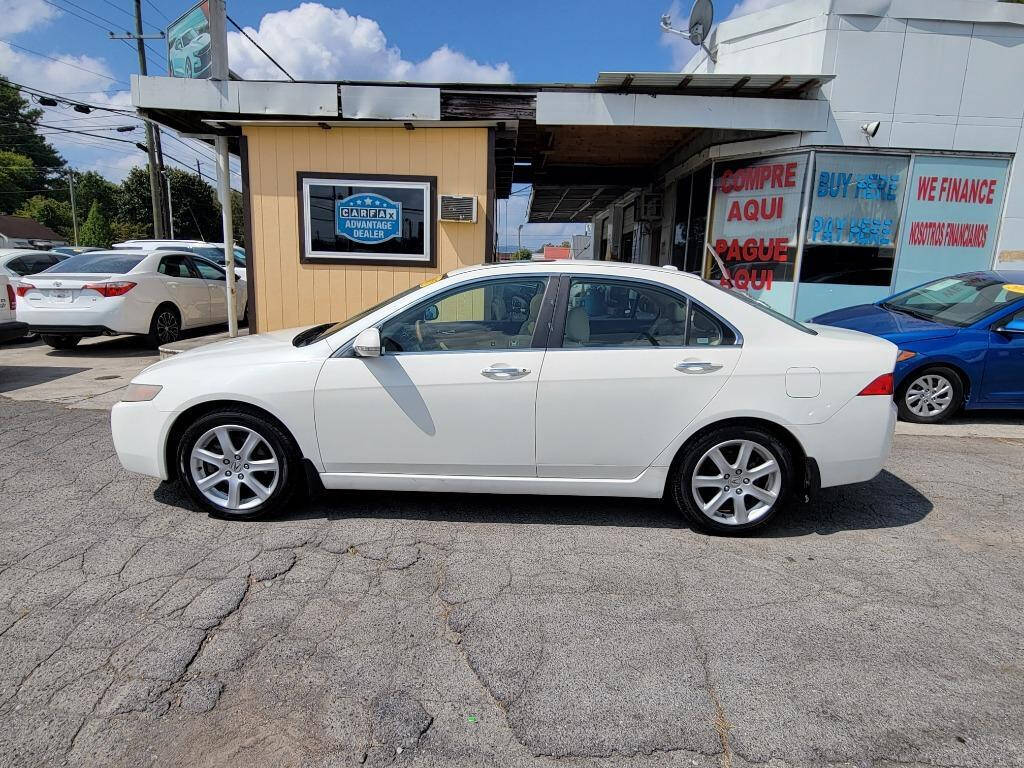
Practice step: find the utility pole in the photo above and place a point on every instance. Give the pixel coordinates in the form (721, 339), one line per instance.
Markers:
(170, 203)
(74, 213)
(153, 148)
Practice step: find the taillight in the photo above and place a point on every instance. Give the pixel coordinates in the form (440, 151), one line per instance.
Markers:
(880, 386)
(117, 288)
(24, 288)
(11, 296)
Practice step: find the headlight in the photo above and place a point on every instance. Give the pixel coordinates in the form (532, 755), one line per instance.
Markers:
(905, 354)
(137, 393)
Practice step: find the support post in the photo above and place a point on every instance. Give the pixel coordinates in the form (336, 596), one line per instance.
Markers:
(224, 193)
(170, 204)
(154, 180)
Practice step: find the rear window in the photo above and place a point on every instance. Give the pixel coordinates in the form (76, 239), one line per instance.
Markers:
(109, 262)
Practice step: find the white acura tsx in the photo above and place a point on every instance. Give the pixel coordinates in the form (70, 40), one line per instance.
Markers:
(586, 378)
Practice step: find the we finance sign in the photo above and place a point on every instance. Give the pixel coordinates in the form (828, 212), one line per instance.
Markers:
(368, 218)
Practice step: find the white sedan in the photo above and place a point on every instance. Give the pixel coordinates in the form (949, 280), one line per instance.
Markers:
(155, 293)
(591, 378)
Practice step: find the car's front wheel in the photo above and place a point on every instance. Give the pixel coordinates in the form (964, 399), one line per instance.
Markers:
(238, 464)
(63, 341)
(733, 479)
(930, 396)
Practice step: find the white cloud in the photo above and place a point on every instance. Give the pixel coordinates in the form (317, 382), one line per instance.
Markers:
(68, 73)
(22, 15)
(314, 42)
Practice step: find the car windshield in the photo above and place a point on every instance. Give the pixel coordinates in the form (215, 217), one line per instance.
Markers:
(320, 332)
(94, 263)
(211, 252)
(958, 301)
(763, 307)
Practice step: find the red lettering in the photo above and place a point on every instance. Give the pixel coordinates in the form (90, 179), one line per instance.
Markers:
(790, 175)
(926, 188)
(734, 211)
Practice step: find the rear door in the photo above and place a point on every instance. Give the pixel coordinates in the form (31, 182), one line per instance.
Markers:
(187, 288)
(1003, 381)
(216, 281)
(630, 364)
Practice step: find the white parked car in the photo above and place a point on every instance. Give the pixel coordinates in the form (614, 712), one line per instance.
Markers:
(156, 293)
(210, 251)
(9, 327)
(18, 262)
(587, 378)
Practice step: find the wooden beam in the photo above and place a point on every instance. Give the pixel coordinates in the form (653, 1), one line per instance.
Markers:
(626, 82)
(685, 82)
(739, 85)
(777, 84)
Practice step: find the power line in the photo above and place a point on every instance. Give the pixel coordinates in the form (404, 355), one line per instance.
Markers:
(85, 10)
(260, 47)
(59, 61)
(157, 9)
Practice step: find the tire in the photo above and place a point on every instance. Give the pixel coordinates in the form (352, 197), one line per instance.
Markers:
(188, 68)
(63, 341)
(722, 492)
(165, 326)
(244, 492)
(930, 395)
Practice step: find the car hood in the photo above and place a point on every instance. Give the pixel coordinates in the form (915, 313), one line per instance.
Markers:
(261, 348)
(878, 321)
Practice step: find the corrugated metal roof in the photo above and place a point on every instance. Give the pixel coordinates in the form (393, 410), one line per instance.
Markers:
(738, 84)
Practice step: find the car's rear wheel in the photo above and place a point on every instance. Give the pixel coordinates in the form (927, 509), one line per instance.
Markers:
(63, 341)
(733, 479)
(930, 395)
(237, 464)
(165, 326)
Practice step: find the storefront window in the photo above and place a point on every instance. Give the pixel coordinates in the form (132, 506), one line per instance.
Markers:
(849, 254)
(755, 219)
(952, 218)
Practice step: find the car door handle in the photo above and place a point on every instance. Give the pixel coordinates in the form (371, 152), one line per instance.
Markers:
(694, 366)
(503, 372)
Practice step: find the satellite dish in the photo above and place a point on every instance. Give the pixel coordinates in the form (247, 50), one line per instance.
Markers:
(701, 18)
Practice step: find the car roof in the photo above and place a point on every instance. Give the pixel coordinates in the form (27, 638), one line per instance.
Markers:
(1010, 275)
(572, 265)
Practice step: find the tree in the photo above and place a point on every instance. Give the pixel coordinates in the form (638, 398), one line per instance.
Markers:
(55, 214)
(523, 254)
(91, 187)
(19, 132)
(566, 244)
(96, 230)
(16, 175)
(237, 218)
(196, 211)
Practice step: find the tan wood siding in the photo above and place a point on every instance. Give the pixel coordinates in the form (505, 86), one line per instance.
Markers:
(289, 293)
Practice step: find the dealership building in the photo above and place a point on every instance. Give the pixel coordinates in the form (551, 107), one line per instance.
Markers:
(834, 151)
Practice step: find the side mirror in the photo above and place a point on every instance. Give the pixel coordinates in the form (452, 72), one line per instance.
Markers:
(1013, 326)
(367, 343)
(430, 313)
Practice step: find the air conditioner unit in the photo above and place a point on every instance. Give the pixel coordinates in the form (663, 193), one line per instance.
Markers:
(457, 208)
(649, 207)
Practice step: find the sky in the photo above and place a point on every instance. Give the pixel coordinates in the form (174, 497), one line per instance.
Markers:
(63, 46)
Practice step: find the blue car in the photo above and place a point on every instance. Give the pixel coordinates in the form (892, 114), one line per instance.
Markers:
(961, 342)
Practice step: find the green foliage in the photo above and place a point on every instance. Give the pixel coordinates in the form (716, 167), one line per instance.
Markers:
(523, 254)
(196, 211)
(96, 230)
(91, 187)
(237, 218)
(19, 133)
(55, 214)
(16, 175)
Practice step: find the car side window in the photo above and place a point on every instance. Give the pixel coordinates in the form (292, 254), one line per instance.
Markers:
(18, 267)
(208, 271)
(705, 330)
(610, 313)
(34, 263)
(496, 314)
(174, 266)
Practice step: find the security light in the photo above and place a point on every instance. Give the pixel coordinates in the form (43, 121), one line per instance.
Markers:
(871, 129)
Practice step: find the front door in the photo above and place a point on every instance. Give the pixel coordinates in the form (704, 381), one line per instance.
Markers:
(1003, 381)
(637, 364)
(453, 393)
(216, 282)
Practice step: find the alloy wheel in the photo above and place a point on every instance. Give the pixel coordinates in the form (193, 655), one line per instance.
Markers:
(234, 467)
(736, 482)
(929, 395)
(167, 327)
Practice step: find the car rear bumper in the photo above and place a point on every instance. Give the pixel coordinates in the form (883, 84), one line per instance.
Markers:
(112, 316)
(853, 445)
(12, 330)
(139, 431)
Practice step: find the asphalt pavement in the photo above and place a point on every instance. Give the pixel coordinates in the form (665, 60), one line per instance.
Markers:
(879, 626)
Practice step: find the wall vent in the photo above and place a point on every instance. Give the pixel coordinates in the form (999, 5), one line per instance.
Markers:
(458, 208)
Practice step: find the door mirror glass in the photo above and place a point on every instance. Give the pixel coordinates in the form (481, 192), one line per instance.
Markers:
(430, 313)
(367, 343)
(1016, 325)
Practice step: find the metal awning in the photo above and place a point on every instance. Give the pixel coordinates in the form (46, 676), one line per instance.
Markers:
(715, 84)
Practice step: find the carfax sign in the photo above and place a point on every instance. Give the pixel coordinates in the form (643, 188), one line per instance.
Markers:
(350, 218)
(369, 218)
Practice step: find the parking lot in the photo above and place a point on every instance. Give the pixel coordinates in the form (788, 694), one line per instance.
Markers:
(878, 626)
